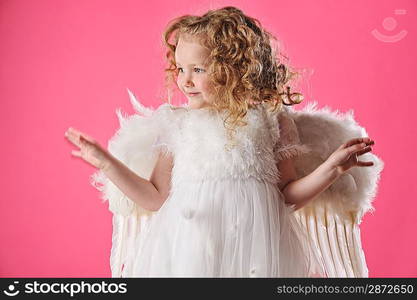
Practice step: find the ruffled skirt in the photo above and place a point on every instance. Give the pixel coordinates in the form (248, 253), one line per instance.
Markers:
(223, 228)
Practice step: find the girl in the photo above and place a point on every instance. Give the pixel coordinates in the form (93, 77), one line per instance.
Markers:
(223, 186)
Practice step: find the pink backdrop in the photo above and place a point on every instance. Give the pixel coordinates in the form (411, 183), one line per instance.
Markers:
(68, 63)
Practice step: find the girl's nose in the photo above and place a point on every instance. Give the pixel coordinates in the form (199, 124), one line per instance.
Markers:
(188, 83)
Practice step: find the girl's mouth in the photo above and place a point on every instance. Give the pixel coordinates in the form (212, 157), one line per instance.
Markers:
(192, 94)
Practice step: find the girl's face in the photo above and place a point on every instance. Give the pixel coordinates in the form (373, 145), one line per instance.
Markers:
(193, 80)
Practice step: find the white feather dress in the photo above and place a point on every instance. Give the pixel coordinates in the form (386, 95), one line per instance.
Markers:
(225, 215)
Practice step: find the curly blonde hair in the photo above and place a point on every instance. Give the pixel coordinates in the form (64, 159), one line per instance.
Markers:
(243, 66)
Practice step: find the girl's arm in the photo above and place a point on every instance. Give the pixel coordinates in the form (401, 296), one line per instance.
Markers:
(305, 189)
(149, 194)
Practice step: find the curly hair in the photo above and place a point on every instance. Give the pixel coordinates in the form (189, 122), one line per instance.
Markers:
(243, 66)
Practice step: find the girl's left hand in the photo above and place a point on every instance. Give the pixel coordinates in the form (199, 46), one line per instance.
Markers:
(346, 156)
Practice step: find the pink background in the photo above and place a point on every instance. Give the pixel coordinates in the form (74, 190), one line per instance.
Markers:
(68, 63)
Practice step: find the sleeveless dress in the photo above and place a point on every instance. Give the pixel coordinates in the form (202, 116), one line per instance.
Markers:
(225, 215)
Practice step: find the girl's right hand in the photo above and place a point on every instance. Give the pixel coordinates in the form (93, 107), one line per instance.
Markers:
(89, 149)
(346, 156)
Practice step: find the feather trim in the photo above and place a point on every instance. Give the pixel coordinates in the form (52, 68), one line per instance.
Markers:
(290, 151)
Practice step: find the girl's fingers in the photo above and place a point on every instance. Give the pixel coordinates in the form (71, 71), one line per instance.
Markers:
(73, 130)
(365, 150)
(73, 138)
(355, 141)
(76, 137)
(72, 133)
(356, 148)
(359, 146)
(82, 140)
(365, 163)
(87, 138)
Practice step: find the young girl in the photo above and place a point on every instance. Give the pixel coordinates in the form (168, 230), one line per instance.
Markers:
(223, 186)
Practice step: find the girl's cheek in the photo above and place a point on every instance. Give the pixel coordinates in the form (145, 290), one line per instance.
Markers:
(205, 84)
(208, 87)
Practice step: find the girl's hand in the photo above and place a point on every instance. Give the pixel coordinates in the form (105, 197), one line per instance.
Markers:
(90, 149)
(346, 156)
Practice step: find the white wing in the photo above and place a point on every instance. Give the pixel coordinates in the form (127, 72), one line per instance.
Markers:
(332, 219)
(132, 144)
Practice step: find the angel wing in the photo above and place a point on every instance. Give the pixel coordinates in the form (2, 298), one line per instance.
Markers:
(133, 145)
(332, 219)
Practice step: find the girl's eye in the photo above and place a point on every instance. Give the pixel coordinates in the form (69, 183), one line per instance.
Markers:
(198, 70)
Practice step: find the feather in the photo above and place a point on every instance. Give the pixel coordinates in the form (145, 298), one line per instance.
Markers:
(133, 144)
(332, 219)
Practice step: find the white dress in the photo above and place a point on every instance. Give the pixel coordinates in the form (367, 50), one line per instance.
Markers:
(225, 215)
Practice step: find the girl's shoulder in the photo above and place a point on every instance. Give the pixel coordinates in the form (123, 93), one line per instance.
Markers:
(178, 112)
(172, 115)
(169, 117)
(274, 117)
(170, 108)
(169, 111)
